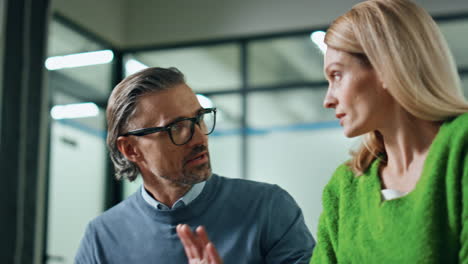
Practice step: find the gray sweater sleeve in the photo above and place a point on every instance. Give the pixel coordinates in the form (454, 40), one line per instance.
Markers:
(287, 238)
(87, 251)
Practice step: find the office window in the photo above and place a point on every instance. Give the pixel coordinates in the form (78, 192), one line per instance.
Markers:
(455, 32)
(207, 69)
(284, 60)
(77, 166)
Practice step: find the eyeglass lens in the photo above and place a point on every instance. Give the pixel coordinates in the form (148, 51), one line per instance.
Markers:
(182, 131)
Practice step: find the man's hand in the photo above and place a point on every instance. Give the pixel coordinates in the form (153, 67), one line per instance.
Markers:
(199, 249)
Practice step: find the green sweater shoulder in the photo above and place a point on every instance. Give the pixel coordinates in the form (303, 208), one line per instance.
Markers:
(428, 225)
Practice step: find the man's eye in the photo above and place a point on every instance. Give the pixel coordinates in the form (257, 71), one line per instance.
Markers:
(176, 127)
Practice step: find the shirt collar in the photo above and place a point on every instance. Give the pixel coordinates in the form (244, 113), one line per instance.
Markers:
(182, 201)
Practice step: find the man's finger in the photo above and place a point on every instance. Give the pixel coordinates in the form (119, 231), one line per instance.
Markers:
(190, 242)
(203, 238)
(213, 255)
(202, 235)
(184, 239)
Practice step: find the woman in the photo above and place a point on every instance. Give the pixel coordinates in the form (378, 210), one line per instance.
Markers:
(403, 196)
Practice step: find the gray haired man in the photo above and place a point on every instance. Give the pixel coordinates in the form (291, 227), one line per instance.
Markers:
(157, 128)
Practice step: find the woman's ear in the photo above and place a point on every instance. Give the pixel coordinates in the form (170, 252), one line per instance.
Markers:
(384, 85)
(127, 146)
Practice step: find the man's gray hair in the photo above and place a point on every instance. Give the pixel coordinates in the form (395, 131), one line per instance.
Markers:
(122, 106)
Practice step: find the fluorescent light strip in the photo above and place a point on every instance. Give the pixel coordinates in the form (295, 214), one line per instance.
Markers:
(79, 59)
(74, 111)
(132, 66)
(318, 37)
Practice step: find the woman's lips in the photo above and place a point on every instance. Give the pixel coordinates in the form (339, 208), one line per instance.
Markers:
(340, 117)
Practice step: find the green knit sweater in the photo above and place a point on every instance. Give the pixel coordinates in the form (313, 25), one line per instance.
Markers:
(428, 225)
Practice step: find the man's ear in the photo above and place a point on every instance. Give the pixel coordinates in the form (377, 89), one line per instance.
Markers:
(127, 147)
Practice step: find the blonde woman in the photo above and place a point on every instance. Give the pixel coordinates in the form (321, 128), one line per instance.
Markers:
(403, 196)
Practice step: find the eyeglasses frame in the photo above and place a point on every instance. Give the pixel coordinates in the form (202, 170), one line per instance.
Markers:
(195, 120)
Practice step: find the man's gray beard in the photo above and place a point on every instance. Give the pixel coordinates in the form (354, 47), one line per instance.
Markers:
(189, 178)
(194, 178)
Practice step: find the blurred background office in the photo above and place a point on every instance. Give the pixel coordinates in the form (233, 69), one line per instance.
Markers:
(259, 62)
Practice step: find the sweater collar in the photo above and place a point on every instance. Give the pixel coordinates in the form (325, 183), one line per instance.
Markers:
(193, 193)
(181, 214)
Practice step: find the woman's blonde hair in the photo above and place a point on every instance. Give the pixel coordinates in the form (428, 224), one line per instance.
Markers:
(405, 47)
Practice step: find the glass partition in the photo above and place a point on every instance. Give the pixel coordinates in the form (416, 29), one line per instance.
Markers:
(225, 142)
(464, 82)
(207, 69)
(295, 143)
(455, 32)
(284, 60)
(288, 107)
(77, 143)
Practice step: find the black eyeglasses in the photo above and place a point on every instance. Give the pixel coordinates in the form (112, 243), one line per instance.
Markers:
(181, 131)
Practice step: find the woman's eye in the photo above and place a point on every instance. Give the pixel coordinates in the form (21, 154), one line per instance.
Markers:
(335, 76)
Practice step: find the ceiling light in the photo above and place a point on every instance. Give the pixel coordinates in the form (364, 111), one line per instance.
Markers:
(318, 38)
(79, 59)
(132, 66)
(74, 111)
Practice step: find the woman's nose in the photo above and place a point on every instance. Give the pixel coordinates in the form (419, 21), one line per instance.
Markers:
(330, 100)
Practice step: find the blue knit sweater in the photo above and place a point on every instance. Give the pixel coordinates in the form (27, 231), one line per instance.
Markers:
(249, 222)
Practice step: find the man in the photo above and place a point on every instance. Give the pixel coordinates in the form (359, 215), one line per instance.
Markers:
(156, 127)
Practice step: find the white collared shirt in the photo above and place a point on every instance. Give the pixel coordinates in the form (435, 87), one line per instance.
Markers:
(182, 201)
(391, 194)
